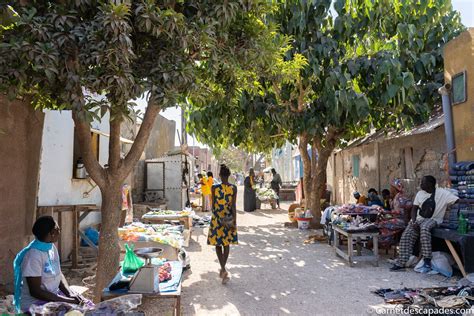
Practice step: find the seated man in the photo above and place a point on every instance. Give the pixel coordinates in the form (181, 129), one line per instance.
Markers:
(38, 277)
(420, 226)
(360, 199)
(374, 198)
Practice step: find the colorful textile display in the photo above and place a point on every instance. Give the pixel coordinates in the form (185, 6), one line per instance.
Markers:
(462, 179)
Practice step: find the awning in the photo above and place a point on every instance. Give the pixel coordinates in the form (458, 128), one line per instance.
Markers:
(122, 139)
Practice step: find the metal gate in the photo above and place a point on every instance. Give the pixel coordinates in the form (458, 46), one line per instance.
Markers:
(155, 186)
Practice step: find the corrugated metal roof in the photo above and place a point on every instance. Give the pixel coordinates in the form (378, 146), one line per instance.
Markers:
(435, 121)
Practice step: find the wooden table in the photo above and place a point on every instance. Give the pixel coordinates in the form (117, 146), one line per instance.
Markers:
(186, 221)
(176, 295)
(465, 256)
(356, 236)
(167, 295)
(79, 213)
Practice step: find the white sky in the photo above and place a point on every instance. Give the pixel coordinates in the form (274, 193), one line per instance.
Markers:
(465, 7)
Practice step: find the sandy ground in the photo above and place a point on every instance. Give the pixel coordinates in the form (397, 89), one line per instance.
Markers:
(274, 273)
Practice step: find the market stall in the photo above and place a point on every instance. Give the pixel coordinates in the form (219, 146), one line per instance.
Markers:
(266, 196)
(389, 223)
(185, 217)
(166, 236)
(156, 278)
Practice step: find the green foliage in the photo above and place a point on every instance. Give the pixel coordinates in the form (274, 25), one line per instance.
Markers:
(61, 52)
(373, 64)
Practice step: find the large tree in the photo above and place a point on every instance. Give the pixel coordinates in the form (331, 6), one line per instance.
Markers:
(350, 68)
(59, 53)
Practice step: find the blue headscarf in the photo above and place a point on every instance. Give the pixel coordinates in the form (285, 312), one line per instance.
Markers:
(35, 244)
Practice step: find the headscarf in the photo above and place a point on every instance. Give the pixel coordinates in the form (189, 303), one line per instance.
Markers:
(35, 244)
(397, 185)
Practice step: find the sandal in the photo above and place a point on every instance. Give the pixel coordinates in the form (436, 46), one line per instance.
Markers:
(221, 273)
(225, 277)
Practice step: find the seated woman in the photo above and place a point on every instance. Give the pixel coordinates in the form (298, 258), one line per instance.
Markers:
(392, 223)
(38, 277)
(374, 198)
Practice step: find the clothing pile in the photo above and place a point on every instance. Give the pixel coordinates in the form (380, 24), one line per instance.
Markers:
(355, 224)
(202, 222)
(462, 179)
(122, 305)
(430, 299)
(355, 209)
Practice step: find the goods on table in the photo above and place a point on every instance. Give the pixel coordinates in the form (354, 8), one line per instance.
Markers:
(359, 209)
(266, 194)
(158, 212)
(162, 233)
(165, 272)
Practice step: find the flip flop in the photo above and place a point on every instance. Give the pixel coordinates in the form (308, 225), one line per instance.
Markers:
(225, 277)
(221, 272)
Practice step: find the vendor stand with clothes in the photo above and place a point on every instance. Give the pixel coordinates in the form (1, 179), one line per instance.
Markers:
(389, 223)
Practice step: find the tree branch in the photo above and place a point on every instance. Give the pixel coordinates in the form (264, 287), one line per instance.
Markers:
(83, 130)
(114, 144)
(301, 94)
(141, 140)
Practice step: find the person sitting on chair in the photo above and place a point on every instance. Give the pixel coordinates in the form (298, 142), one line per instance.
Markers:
(427, 212)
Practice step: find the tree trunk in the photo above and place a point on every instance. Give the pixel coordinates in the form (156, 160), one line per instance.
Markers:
(319, 187)
(110, 182)
(109, 250)
(324, 149)
(303, 148)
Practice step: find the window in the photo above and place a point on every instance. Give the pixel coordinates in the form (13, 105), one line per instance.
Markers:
(95, 145)
(459, 88)
(355, 165)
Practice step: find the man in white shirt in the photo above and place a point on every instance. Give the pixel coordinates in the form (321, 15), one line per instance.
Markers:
(420, 226)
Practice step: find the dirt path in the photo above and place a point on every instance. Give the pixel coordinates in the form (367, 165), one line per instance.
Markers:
(274, 273)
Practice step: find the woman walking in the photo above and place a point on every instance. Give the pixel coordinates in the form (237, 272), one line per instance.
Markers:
(250, 196)
(223, 229)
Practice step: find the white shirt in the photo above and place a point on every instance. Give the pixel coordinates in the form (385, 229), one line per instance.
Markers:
(42, 264)
(443, 198)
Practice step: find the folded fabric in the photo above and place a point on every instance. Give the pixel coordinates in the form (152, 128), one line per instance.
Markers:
(464, 165)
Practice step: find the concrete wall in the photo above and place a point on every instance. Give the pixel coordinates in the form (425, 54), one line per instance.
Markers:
(20, 142)
(57, 185)
(458, 57)
(161, 140)
(384, 160)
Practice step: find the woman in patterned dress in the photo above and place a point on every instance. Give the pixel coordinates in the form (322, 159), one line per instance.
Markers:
(223, 228)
